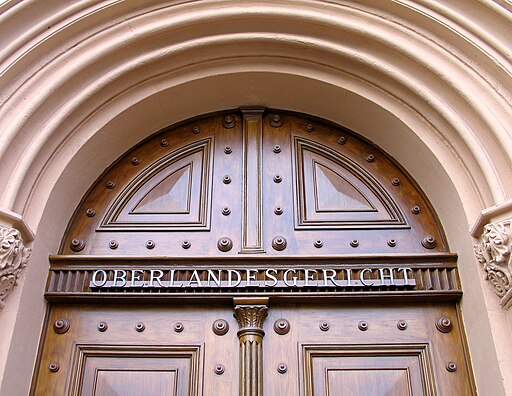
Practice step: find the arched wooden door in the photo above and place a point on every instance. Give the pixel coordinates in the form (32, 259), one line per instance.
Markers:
(254, 252)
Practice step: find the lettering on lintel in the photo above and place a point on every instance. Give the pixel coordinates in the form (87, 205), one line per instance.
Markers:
(346, 278)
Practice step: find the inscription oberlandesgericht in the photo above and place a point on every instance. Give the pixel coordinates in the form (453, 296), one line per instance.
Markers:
(367, 277)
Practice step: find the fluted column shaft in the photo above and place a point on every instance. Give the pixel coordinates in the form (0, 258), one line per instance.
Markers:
(250, 318)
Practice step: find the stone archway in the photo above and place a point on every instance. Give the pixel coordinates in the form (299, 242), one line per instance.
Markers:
(440, 108)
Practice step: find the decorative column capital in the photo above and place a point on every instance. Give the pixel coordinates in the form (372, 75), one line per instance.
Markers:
(250, 317)
(13, 260)
(250, 313)
(493, 252)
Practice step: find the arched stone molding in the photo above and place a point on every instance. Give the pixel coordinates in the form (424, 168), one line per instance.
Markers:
(175, 44)
(429, 82)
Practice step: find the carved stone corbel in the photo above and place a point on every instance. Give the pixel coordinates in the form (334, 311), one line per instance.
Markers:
(13, 259)
(493, 253)
(250, 316)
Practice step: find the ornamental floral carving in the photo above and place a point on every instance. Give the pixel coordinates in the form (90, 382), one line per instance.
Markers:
(13, 259)
(493, 253)
(251, 316)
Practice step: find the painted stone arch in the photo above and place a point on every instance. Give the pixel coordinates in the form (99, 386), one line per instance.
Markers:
(251, 176)
(452, 109)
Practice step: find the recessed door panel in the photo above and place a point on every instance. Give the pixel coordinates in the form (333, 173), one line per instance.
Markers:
(134, 383)
(368, 382)
(130, 370)
(367, 370)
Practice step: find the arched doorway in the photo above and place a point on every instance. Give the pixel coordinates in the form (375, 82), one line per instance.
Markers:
(328, 254)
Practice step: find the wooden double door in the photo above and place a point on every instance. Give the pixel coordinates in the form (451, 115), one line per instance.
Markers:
(349, 288)
(320, 349)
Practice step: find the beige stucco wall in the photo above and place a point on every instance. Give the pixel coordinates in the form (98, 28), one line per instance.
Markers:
(429, 82)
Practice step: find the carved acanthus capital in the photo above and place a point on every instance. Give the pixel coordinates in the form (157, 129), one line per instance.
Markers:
(493, 253)
(251, 316)
(13, 259)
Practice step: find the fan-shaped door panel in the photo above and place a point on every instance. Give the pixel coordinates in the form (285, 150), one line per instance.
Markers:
(249, 180)
(172, 193)
(333, 191)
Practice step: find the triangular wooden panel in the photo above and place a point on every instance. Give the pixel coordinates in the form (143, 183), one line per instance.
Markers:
(333, 191)
(170, 194)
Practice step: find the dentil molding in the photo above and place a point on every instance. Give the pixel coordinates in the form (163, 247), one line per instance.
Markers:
(13, 259)
(493, 253)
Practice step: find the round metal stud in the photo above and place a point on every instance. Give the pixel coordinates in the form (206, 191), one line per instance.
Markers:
(196, 130)
(277, 149)
(318, 243)
(61, 325)
(354, 243)
(164, 143)
(228, 122)
(276, 121)
(111, 184)
(186, 244)
(140, 327)
(363, 325)
(370, 158)
(135, 161)
(278, 210)
(444, 324)
(226, 211)
(77, 245)
(281, 326)
(325, 326)
(226, 179)
(395, 181)
(150, 244)
(282, 368)
(178, 327)
(102, 326)
(451, 367)
(228, 150)
(429, 242)
(54, 367)
(279, 243)
(220, 327)
(225, 244)
(310, 128)
(90, 212)
(219, 369)
(113, 244)
(415, 209)
(401, 325)
(278, 178)
(342, 140)
(392, 243)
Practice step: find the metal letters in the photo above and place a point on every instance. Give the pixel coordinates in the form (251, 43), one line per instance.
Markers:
(253, 278)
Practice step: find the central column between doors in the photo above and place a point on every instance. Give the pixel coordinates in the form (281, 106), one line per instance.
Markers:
(250, 314)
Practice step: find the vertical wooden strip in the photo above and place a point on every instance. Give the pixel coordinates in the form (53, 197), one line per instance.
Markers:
(252, 229)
